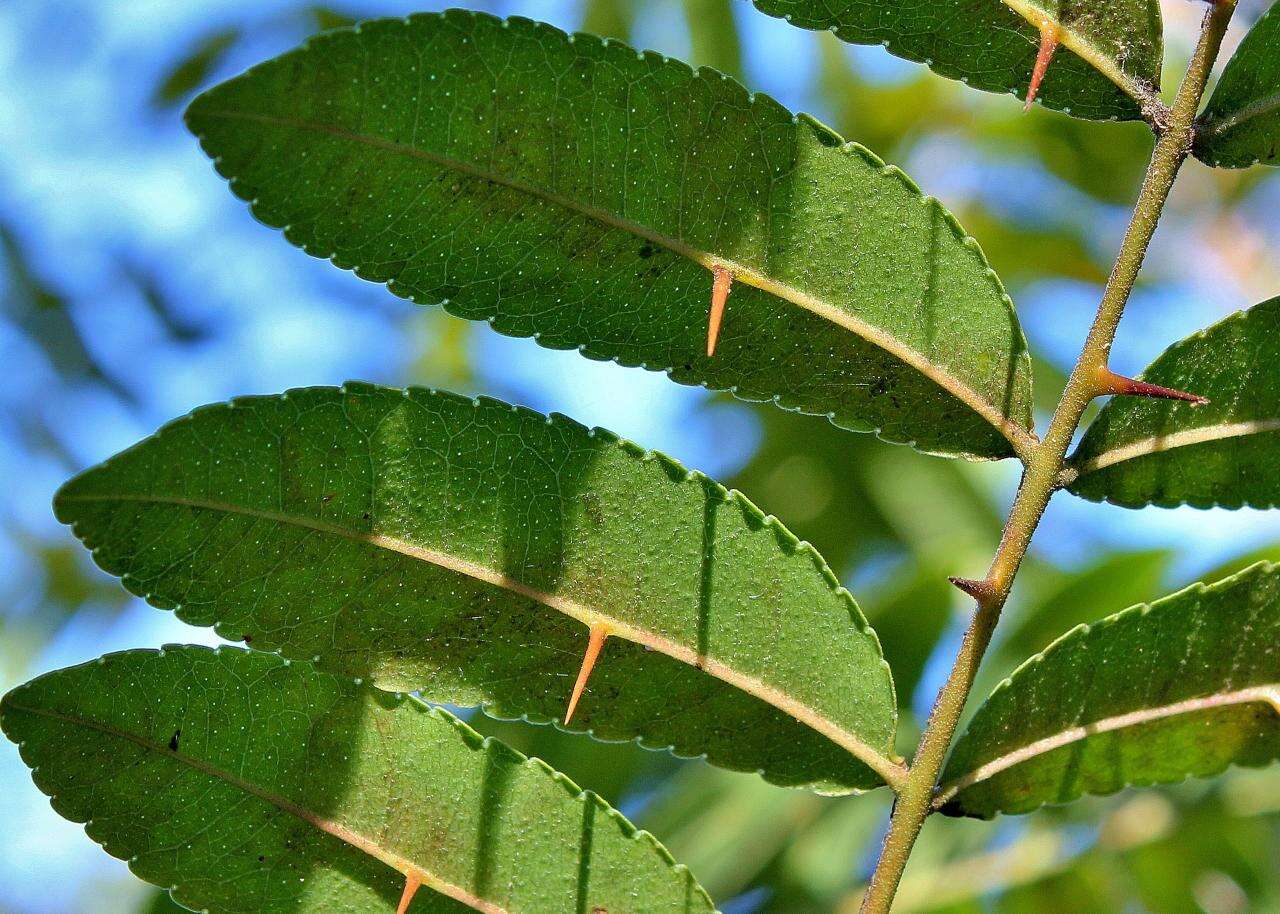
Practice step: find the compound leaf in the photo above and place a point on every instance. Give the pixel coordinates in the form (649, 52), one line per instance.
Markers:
(1107, 64)
(572, 190)
(425, 541)
(247, 783)
(1241, 124)
(1179, 688)
(1142, 451)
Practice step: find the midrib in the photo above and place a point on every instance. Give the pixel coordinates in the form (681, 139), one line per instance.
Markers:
(1266, 694)
(1263, 106)
(1018, 437)
(1158, 444)
(355, 839)
(891, 772)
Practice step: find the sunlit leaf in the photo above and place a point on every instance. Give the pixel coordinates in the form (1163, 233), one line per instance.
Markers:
(1241, 124)
(425, 541)
(580, 193)
(251, 784)
(1183, 687)
(1084, 595)
(1143, 451)
(1106, 66)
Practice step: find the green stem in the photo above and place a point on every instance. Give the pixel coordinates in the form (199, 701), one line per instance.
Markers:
(1039, 481)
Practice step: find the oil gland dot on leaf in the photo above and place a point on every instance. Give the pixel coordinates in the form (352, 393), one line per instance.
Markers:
(598, 634)
(1048, 44)
(720, 285)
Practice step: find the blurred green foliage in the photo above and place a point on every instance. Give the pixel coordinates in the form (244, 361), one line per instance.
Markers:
(893, 523)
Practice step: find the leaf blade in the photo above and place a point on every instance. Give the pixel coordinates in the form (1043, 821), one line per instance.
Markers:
(251, 812)
(1241, 124)
(1141, 451)
(542, 210)
(425, 541)
(1108, 66)
(1179, 688)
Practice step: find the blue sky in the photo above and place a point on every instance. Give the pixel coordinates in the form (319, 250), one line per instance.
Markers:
(100, 186)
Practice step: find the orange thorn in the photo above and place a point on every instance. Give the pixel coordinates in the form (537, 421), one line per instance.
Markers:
(1119, 385)
(719, 295)
(1048, 44)
(598, 634)
(411, 885)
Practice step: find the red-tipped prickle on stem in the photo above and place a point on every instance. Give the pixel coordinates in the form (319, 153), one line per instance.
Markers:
(411, 885)
(596, 642)
(1120, 386)
(981, 591)
(720, 285)
(1048, 44)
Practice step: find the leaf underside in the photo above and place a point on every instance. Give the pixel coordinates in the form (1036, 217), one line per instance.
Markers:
(1181, 688)
(1109, 58)
(249, 784)
(575, 191)
(1142, 451)
(425, 541)
(1241, 124)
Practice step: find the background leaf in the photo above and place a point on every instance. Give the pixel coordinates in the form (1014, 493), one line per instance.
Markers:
(579, 193)
(1181, 688)
(1241, 124)
(1109, 58)
(429, 542)
(1141, 451)
(254, 784)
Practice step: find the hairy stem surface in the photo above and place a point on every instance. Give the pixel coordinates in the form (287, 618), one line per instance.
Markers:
(1089, 379)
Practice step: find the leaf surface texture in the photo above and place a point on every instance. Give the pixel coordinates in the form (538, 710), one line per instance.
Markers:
(578, 192)
(1142, 451)
(1108, 60)
(1241, 124)
(249, 784)
(425, 541)
(1183, 687)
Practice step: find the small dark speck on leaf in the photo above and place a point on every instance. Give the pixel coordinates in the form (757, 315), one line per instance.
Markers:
(247, 639)
(648, 251)
(325, 499)
(173, 740)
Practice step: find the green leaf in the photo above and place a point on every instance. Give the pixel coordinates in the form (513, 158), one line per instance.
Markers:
(252, 784)
(578, 192)
(1082, 596)
(429, 542)
(1107, 64)
(1142, 451)
(190, 73)
(1241, 124)
(1183, 687)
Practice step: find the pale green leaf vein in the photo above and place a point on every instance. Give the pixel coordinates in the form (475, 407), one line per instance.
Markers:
(1020, 439)
(1264, 694)
(890, 771)
(355, 839)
